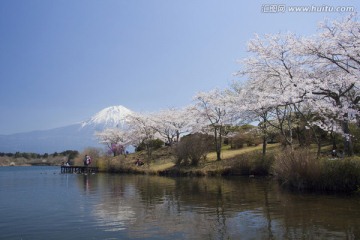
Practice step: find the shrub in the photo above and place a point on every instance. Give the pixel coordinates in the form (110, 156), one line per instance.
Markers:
(237, 141)
(262, 166)
(192, 148)
(251, 164)
(341, 175)
(355, 132)
(297, 169)
(300, 169)
(154, 144)
(240, 139)
(241, 166)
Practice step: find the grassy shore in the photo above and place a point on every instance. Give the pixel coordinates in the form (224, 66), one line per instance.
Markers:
(162, 162)
(298, 169)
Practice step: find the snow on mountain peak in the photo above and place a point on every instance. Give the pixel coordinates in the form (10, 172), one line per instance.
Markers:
(110, 117)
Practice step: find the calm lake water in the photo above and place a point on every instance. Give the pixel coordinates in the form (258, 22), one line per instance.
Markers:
(41, 203)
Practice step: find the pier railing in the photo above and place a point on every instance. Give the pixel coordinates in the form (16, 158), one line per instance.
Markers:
(79, 169)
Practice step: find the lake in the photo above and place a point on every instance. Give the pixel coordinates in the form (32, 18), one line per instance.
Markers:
(41, 203)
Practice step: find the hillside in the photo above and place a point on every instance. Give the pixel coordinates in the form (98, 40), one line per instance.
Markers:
(163, 163)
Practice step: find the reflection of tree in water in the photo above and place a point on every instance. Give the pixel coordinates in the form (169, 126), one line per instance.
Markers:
(210, 208)
(114, 216)
(226, 200)
(114, 212)
(208, 205)
(267, 211)
(324, 216)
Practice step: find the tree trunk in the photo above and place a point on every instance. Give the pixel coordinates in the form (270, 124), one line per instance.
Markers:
(318, 149)
(265, 136)
(218, 155)
(264, 147)
(217, 136)
(318, 141)
(348, 147)
(177, 136)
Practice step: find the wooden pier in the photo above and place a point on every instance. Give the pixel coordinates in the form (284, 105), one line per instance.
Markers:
(79, 169)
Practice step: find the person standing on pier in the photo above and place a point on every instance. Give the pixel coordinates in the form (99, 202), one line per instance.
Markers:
(87, 160)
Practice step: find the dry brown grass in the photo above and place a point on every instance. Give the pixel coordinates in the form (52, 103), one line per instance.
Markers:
(164, 161)
(302, 170)
(230, 153)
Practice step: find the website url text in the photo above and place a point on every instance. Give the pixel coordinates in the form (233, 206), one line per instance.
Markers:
(282, 8)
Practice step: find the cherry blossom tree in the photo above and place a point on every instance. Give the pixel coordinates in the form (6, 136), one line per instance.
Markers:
(249, 107)
(213, 113)
(277, 81)
(334, 58)
(141, 130)
(289, 76)
(171, 123)
(115, 139)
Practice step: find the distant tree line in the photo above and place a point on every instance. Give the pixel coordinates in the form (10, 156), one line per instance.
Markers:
(28, 155)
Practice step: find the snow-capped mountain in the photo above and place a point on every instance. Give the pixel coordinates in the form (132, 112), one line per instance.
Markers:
(72, 137)
(109, 117)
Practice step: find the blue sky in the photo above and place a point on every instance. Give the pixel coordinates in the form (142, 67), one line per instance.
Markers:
(63, 61)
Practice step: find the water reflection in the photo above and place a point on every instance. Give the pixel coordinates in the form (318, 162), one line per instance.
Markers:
(154, 207)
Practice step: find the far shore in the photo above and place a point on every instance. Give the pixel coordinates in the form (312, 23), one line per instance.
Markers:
(51, 161)
(297, 170)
